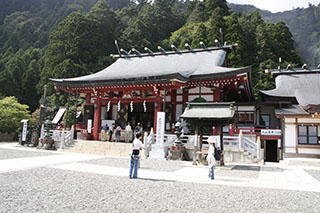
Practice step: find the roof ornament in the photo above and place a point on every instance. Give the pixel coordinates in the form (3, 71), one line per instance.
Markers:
(188, 47)
(136, 52)
(289, 67)
(217, 43)
(148, 51)
(162, 50)
(125, 52)
(175, 48)
(304, 67)
(116, 43)
(203, 45)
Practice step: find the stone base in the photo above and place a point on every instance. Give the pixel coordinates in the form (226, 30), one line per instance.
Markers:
(158, 151)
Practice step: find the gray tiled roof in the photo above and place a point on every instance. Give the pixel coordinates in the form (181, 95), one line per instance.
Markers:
(183, 66)
(209, 111)
(305, 87)
(291, 110)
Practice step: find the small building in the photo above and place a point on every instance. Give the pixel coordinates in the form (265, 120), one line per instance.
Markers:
(297, 105)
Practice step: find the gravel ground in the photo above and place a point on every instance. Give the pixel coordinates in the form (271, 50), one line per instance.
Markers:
(251, 172)
(12, 153)
(53, 190)
(315, 174)
(152, 164)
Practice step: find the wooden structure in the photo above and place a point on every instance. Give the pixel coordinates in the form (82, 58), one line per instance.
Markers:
(137, 86)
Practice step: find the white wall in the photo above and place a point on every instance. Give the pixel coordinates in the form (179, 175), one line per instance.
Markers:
(290, 136)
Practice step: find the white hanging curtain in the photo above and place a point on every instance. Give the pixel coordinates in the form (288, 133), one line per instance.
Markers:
(119, 106)
(108, 107)
(144, 106)
(131, 106)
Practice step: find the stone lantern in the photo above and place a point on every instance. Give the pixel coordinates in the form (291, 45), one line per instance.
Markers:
(177, 149)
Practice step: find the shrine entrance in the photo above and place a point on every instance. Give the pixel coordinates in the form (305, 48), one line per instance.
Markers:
(138, 114)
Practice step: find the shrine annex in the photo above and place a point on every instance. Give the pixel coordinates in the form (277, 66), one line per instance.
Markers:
(137, 86)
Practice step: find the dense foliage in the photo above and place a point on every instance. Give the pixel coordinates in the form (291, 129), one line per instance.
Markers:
(304, 24)
(11, 113)
(42, 39)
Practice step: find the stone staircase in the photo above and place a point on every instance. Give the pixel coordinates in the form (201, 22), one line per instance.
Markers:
(239, 156)
(99, 148)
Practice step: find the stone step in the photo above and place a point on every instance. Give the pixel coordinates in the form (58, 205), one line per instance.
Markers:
(100, 148)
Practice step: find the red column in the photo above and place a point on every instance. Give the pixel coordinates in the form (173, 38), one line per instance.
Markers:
(217, 95)
(174, 104)
(157, 109)
(97, 119)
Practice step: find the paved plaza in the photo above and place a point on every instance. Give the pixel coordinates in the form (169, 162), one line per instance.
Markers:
(33, 180)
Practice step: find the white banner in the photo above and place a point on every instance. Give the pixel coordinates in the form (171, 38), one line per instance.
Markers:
(161, 118)
(24, 131)
(89, 125)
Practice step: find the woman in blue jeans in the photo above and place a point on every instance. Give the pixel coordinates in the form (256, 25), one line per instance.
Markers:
(135, 156)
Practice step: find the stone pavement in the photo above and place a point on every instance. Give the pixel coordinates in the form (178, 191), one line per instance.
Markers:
(271, 175)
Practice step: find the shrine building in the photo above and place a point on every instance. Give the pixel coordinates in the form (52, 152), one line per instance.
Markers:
(138, 85)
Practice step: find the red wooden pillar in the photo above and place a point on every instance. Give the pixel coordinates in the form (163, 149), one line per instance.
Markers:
(157, 108)
(214, 130)
(97, 119)
(217, 95)
(174, 104)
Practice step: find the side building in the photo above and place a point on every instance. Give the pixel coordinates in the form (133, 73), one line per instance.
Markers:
(297, 102)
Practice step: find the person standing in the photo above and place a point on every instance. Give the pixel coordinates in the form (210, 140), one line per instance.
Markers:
(138, 129)
(111, 132)
(128, 132)
(118, 133)
(137, 146)
(210, 158)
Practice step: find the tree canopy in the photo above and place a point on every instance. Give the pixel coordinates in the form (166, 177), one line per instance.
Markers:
(42, 39)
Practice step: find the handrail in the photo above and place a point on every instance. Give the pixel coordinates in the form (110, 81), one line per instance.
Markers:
(148, 141)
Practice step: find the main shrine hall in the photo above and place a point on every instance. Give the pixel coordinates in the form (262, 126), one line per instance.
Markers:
(139, 85)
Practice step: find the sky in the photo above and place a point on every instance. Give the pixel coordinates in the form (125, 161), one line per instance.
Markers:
(276, 5)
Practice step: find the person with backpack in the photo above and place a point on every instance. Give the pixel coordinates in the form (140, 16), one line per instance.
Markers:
(135, 156)
(211, 157)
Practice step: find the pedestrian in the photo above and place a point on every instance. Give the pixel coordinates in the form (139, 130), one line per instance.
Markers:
(128, 132)
(104, 132)
(118, 133)
(135, 156)
(210, 158)
(112, 127)
(138, 129)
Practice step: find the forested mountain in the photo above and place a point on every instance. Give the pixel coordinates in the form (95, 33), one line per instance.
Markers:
(41, 39)
(304, 24)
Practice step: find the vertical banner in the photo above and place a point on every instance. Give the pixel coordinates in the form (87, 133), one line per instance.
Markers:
(24, 131)
(89, 125)
(161, 116)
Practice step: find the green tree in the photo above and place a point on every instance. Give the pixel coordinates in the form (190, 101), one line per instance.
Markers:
(11, 113)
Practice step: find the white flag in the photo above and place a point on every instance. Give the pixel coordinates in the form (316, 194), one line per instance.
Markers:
(144, 106)
(131, 106)
(119, 106)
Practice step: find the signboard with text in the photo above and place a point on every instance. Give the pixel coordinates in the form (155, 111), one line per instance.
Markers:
(271, 132)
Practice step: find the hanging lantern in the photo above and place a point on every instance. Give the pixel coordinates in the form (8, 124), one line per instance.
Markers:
(144, 106)
(131, 106)
(108, 107)
(119, 106)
